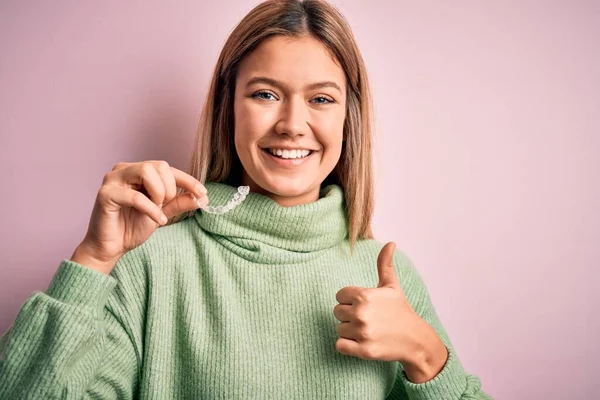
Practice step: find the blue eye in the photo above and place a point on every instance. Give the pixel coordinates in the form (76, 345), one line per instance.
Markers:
(262, 95)
(323, 98)
(269, 96)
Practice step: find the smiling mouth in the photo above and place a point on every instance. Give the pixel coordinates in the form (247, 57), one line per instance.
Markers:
(284, 154)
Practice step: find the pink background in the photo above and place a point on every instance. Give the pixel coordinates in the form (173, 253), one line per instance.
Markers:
(487, 154)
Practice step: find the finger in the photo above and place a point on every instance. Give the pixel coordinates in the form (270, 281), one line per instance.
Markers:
(127, 197)
(183, 203)
(189, 183)
(356, 349)
(347, 330)
(343, 312)
(166, 174)
(121, 165)
(351, 295)
(349, 347)
(385, 266)
(145, 174)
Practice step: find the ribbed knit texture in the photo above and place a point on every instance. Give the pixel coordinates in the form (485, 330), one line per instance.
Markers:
(233, 306)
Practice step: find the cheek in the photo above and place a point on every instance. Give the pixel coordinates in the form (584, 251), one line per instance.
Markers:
(331, 129)
(252, 120)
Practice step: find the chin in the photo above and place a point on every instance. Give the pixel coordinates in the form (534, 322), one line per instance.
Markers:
(287, 187)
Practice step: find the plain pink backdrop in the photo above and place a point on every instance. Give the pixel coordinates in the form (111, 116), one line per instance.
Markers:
(487, 154)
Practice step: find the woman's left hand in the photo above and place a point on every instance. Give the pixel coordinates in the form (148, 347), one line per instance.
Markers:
(380, 324)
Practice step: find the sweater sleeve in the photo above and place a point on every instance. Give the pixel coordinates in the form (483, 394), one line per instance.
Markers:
(452, 382)
(77, 340)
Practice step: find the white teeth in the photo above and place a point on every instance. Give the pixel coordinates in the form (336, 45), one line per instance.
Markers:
(299, 153)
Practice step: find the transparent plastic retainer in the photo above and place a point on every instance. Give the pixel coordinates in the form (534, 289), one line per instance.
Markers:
(237, 199)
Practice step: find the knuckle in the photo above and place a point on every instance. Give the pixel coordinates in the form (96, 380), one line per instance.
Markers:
(103, 192)
(363, 296)
(365, 333)
(113, 176)
(118, 166)
(146, 168)
(370, 351)
(360, 316)
(107, 178)
(162, 166)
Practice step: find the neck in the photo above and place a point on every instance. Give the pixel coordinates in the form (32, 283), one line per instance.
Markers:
(261, 230)
(284, 201)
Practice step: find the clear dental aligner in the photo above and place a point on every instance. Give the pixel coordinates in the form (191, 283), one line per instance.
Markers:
(240, 196)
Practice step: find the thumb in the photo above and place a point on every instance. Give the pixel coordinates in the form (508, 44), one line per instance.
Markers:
(385, 266)
(183, 203)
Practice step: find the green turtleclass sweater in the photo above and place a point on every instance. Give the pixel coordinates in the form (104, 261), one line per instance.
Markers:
(232, 306)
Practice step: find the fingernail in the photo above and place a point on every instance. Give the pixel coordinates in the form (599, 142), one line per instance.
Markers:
(201, 189)
(202, 202)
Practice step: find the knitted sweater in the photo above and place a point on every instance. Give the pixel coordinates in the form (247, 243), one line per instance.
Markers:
(232, 306)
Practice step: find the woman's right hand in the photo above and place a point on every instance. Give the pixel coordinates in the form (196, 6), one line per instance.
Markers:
(133, 201)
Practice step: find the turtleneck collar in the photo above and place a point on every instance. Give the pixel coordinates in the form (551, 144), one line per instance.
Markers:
(261, 230)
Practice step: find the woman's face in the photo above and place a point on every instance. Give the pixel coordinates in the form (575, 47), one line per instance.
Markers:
(289, 106)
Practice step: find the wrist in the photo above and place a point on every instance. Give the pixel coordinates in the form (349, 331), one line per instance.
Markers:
(85, 256)
(428, 357)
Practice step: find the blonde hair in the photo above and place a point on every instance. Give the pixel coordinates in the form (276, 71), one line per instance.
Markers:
(214, 157)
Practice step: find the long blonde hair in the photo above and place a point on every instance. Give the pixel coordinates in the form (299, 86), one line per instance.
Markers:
(214, 157)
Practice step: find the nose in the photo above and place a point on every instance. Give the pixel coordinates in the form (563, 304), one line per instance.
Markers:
(293, 120)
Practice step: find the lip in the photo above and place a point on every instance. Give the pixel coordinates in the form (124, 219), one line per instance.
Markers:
(266, 148)
(285, 162)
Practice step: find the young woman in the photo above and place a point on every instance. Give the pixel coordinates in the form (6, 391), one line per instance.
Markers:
(286, 295)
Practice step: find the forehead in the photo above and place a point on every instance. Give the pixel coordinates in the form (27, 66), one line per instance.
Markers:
(292, 60)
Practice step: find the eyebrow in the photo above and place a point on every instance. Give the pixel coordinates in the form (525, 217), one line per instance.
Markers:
(279, 85)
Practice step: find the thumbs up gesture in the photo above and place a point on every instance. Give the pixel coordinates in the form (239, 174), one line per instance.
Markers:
(380, 324)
